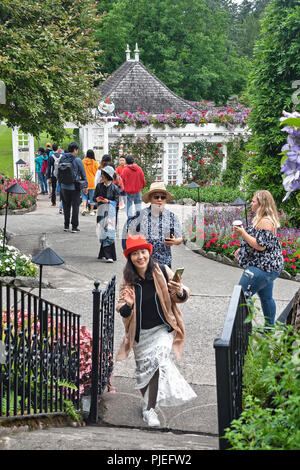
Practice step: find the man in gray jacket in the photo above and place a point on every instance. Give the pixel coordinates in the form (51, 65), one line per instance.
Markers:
(70, 188)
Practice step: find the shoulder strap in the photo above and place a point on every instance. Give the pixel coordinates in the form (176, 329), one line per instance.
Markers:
(164, 271)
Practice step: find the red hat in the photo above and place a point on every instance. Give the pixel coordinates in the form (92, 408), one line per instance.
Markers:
(136, 242)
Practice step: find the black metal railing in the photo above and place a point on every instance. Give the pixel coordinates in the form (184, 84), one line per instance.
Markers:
(103, 342)
(39, 355)
(230, 351)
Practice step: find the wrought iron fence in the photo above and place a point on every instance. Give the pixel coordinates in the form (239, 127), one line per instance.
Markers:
(39, 355)
(230, 351)
(103, 342)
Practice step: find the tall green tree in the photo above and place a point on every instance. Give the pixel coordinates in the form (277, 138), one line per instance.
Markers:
(184, 43)
(276, 67)
(47, 63)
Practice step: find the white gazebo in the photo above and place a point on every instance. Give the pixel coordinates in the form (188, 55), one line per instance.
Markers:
(132, 87)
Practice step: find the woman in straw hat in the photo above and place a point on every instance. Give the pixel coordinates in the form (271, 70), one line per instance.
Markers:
(161, 227)
(148, 303)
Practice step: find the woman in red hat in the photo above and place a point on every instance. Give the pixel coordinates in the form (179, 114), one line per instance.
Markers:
(154, 327)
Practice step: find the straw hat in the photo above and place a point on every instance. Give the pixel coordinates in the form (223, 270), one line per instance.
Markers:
(136, 242)
(157, 187)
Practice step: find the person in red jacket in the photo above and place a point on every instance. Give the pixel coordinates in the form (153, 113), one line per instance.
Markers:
(134, 181)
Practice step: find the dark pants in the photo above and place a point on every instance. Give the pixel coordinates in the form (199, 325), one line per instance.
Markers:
(71, 199)
(53, 184)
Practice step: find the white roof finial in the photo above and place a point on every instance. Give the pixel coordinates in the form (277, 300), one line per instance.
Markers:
(127, 53)
(136, 51)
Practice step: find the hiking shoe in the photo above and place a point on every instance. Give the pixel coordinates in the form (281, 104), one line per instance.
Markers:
(75, 230)
(151, 418)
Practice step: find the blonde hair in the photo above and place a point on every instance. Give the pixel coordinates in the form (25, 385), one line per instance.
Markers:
(266, 208)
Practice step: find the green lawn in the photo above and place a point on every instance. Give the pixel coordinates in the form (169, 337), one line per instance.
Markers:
(6, 151)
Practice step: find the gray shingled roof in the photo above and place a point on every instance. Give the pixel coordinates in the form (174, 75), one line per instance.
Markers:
(132, 87)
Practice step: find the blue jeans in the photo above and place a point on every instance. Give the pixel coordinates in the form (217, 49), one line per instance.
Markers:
(42, 182)
(135, 199)
(255, 280)
(88, 197)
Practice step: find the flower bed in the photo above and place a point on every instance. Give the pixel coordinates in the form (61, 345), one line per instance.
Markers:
(215, 235)
(17, 201)
(227, 116)
(14, 263)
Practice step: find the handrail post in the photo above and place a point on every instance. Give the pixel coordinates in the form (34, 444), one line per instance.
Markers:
(223, 389)
(93, 416)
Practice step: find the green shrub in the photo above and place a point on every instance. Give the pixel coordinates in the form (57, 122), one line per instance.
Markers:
(271, 399)
(212, 193)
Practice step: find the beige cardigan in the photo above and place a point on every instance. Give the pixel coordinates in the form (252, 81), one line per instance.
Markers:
(171, 311)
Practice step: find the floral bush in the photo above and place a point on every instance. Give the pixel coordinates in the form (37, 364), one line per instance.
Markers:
(227, 116)
(215, 234)
(291, 150)
(85, 344)
(202, 162)
(14, 263)
(17, 201)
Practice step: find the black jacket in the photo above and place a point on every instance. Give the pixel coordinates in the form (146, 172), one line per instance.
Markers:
(111, 192)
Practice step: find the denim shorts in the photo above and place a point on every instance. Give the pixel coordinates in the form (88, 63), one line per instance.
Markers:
(89, 196)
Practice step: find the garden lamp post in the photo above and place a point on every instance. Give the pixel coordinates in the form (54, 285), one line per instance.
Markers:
(19, 162)
(194, 185)
(240, 202)
(13, 189)
(47, 257)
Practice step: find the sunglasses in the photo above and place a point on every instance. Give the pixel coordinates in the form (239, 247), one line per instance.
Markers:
(159, 196)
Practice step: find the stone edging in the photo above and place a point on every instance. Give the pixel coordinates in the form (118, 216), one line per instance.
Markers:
(22, 211)
(23, 281)
(225, 260)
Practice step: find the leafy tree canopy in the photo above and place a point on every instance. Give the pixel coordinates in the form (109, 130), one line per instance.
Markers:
(185, 43)
(276, 67)
(47, 57)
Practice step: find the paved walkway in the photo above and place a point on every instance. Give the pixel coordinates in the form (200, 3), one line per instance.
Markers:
(193, 426)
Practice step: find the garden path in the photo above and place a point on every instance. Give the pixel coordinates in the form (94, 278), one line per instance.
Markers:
(211, 285)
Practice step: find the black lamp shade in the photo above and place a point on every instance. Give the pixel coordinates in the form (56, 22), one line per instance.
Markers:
(15, 189)
(193, 185)
(20, 162)
(47, 257)
(239, 202)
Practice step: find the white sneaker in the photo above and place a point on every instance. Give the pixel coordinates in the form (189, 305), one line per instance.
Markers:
(109, 260)
(92, 213)
(151, 418)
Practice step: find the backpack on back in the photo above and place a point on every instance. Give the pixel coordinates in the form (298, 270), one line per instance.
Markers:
(56, 162)
(44, 166)
(65, 172)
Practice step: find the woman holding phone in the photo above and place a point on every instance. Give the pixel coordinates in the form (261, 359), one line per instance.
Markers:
(148, 304)
(107, 196)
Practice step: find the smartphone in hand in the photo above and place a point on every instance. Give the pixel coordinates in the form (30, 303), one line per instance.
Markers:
(178, 274)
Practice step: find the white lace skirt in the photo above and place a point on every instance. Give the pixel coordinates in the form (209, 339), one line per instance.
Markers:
(152, 352)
